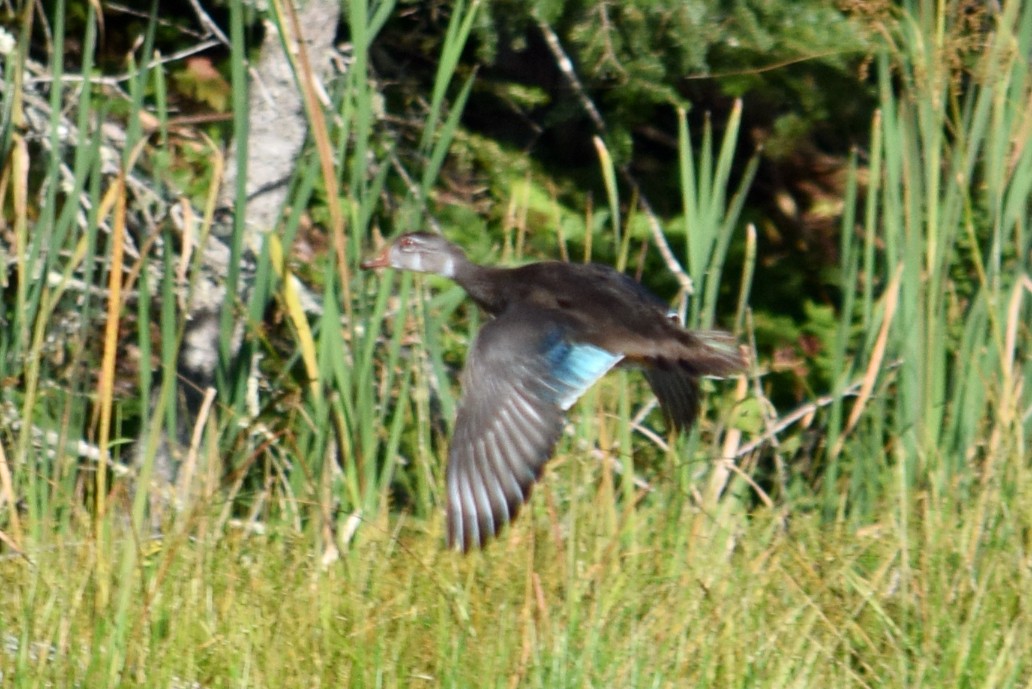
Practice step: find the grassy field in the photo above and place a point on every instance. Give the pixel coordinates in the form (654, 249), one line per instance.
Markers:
(313, 555)
(933, 594)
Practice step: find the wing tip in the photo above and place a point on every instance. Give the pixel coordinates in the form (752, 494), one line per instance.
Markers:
(465, 533)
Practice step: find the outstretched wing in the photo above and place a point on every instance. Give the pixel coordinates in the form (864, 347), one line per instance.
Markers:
(521, 374)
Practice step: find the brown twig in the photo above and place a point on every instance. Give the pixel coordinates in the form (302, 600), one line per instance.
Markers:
(565, 65)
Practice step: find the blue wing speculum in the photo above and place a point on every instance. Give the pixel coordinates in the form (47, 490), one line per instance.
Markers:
(574, 367)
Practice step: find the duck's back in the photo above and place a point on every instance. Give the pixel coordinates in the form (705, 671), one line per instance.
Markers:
(602, 306)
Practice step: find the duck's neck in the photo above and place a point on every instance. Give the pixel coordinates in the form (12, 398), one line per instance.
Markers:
(482, 283)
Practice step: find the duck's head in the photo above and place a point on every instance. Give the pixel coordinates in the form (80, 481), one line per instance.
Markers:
(420, 252)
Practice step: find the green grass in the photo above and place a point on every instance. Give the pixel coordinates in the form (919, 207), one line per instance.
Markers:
(882, 541)
(758, 602)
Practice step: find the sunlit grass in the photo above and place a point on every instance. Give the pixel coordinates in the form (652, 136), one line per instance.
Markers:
(313, 554)
(768, 601)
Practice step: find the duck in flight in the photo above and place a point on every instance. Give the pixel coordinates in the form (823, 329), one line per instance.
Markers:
(556, 329)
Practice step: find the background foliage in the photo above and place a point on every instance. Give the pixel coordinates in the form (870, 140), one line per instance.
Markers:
(846, 188)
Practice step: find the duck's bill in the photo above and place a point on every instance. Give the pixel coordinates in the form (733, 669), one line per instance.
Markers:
(380, 260)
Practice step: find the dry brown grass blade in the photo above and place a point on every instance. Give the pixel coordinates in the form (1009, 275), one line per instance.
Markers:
(1014, 323)
(7, 493)
(875, 364)
(725, 466)
(186, 472)
(1007, 428)
(321, 136)
(106, 379)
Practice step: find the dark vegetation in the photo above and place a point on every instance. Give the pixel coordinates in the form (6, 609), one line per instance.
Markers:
(802, 71)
